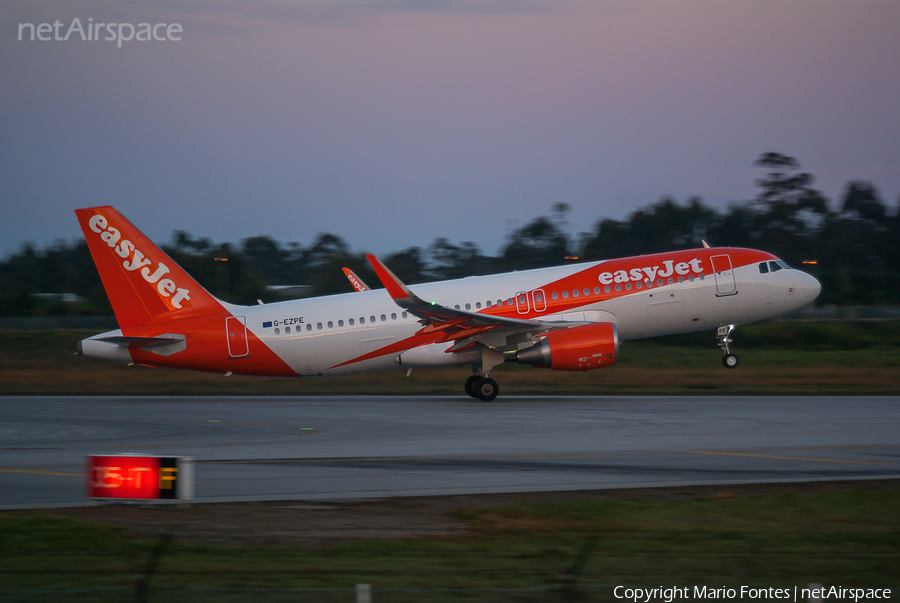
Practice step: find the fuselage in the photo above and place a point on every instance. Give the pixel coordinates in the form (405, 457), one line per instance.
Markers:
(644, 296)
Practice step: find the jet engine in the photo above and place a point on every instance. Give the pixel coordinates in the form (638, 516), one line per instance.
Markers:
(581, 348)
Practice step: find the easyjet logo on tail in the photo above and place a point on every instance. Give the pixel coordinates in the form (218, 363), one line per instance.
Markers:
(134, 260)
(356, 284)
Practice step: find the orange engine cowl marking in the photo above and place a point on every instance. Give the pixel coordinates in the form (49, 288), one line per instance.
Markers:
(582, 348)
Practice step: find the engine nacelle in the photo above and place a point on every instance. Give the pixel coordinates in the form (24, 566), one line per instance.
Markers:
(581, 348)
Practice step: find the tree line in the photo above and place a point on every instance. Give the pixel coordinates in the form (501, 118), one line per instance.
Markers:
(855, 244)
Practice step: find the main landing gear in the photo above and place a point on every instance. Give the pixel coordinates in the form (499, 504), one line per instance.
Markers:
(483, 388)
(480, 385)
(723, 335)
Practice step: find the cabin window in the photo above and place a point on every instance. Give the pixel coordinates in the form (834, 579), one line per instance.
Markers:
(403, 315)
(309, 327)
(362, 320)
(639, 284)
(468, 306)
(456, 306)
(691, 278)
(574, 292)
(555, 295)
(680, 279)
(618, 287)
(565, 295)
(659, 282)
(277, 331)
(319, 326)
(393, 316)
(352, 322)
(763, 268)
(596, 290)
(383, 318)
(330, 325)
(372, 319)
(477, 305)
(670, 280)
(628, 286)
(606, 289)
(587, 291)
(340, 323)
(509, 301)
(488, 304)
(287, 330)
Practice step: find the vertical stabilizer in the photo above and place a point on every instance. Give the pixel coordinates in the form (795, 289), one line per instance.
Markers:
(143, 283)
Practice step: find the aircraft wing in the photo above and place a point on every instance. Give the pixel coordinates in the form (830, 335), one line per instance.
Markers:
(466, 328)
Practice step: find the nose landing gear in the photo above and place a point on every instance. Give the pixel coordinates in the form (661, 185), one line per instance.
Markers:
(723, 335)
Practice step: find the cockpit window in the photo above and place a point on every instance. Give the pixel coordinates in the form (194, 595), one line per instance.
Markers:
(774, 266)
(763, 268)
(783, 265)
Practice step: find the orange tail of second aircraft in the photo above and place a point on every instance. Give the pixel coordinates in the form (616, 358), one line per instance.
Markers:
(144, 285)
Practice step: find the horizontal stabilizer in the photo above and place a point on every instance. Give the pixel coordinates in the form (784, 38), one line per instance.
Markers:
(142, 342)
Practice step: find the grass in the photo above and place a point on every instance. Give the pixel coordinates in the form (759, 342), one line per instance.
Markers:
(793, 357)
(848, 537)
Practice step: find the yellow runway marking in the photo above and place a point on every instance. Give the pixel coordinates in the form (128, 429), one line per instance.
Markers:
(33, 472)
(787, 458)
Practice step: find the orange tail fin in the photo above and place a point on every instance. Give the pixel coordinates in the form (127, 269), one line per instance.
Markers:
(142, 282)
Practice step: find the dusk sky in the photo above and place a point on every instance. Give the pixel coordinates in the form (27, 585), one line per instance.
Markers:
(392, 123)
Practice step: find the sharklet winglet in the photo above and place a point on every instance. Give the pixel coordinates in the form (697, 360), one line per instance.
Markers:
(398, 291)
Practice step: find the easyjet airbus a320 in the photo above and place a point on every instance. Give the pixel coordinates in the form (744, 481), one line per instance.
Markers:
(569, 318)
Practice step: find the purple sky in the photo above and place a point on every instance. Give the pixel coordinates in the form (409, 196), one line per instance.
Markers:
(392, 123)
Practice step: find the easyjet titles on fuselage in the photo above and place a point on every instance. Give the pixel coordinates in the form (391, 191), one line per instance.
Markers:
(649, 273)
(125, 249)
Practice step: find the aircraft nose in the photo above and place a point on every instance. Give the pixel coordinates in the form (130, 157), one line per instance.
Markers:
(811, 287)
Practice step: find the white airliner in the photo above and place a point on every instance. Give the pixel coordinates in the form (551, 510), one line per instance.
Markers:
(569, 318)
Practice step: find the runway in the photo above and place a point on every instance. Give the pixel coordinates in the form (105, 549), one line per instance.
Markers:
(340, 448)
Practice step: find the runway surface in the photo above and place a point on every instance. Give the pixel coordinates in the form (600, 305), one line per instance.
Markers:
(338, 448)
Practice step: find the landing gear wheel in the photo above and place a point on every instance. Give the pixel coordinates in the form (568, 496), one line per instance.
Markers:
(723, 335)
(486, 389)
(470, 385)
